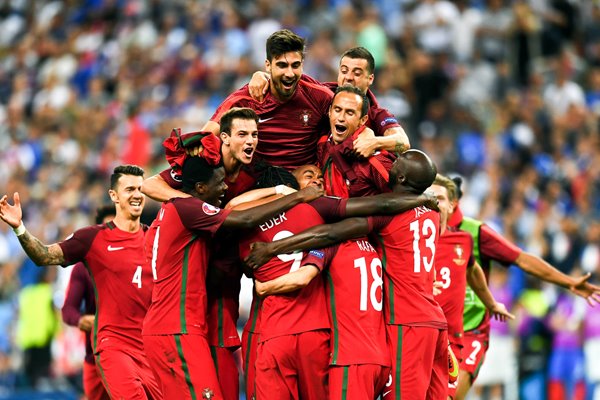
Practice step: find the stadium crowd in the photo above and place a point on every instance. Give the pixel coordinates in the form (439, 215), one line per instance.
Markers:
(505, 94)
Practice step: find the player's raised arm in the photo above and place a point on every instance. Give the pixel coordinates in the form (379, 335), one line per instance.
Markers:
(39, 253)
(158, 189)
(476, 280)
(313, 238)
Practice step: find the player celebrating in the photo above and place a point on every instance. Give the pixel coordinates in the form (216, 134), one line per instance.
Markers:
(114, 255)
(175, 329)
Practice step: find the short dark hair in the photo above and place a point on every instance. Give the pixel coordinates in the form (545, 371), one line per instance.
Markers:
(284, 41)
(363, 54)
(121, 170)
(364, 109)
(273, 176)
(236, 113)
(196, 169)
(104, 211)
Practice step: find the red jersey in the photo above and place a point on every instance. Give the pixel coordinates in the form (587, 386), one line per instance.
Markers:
(354, 288)
(288, 132)
(347, 175)
(122, 281)
(453, 256)
(80, 292)
(244, 182)
(380, 119)
(178, 245)
(407, 246)
(303, 310)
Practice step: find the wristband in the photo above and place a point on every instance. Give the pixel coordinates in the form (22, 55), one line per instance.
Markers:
(279, 189)
(19, 230)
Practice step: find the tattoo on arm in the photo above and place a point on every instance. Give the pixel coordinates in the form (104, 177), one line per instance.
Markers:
(39, 252)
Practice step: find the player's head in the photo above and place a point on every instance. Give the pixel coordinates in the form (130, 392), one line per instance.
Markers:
(285, 56)
(239, 133)
(126, 191)
(204, 181)
(105, 213)
(348, 111)
(309, 175)
(272, 176)
(412, 172)
(357, 68)
(444, 189)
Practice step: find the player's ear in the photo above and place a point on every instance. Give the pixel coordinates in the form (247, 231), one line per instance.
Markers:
(224, 138)
(364, 119)
(200, 187)
(113, 195)
(267, 66)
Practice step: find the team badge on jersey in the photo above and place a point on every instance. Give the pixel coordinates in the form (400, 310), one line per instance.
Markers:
(207, 393)
(305, 117)
(210, 209)
(458, 250)
(176, 175)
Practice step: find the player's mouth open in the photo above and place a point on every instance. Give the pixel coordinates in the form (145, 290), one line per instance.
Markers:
(136, 203)
(288, 84)
(249, 151)
(340, 128)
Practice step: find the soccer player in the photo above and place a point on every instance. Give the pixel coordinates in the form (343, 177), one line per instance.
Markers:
(357, 67)
(80, 293)
(488, 246)
(293, 114)
(347, 175)
(239, 137)
(416, 326)
(114, 255)
(454, 266)
(175, 328)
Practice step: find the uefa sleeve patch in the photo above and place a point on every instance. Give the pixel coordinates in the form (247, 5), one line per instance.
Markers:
(317, 253)
(388, 121)
(210, 209)
(176, 176)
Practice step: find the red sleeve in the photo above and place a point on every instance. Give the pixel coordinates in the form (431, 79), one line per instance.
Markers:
(239, 98)
(316, 258)
(381, 120)
(493, 246)
(76, 246)
(74, 296)
(197, 215)
(331, 209)
(378, 179)
(172, 177)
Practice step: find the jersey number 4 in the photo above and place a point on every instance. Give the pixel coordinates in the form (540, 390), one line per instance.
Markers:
(425, 256)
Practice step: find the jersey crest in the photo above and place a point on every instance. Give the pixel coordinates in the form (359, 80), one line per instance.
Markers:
(305, 117)
(459, 251)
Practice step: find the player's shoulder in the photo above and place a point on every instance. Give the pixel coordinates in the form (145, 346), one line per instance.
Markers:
(457, 236)
(316, 89)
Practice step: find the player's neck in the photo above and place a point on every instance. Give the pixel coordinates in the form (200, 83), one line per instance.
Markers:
(232, 166)
(127, 224)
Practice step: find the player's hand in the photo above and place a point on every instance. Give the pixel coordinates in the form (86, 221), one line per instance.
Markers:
(365, 145)
(500, 313)
(310, 193)
(437, 287)
(194, 151)
(259, 254)
(259, 85)
(287, 190)
(86, 322)
(260, 288)
(12, 215)
(581, 287)
(430, 201)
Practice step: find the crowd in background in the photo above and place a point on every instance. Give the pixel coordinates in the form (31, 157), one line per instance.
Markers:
(505, 93)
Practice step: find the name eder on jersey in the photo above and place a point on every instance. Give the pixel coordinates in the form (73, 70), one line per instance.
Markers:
(273, 222)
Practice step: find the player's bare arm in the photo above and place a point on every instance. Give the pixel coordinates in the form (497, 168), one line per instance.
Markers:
(157, 189)
(539, 268)
(476, 280)
(388, 203)
(39, 253)
(289, 282)
(253, 216)
(394, 139)
(314, 238)
(252, 198)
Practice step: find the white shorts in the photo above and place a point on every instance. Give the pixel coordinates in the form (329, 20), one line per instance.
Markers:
(500, 364)
(591, 350)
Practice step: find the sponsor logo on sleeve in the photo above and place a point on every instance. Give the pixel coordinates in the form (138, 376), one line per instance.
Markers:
(388, 121)
(317, 253)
